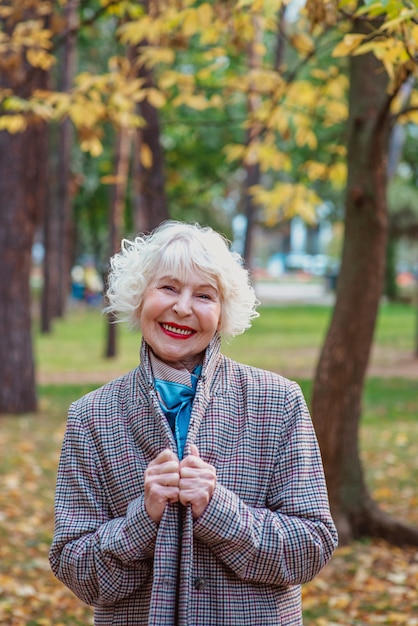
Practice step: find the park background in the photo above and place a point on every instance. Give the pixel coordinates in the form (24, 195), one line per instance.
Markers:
(291, 128)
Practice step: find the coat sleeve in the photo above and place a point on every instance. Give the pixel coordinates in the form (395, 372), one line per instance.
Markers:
(289, 540)
(102, 560)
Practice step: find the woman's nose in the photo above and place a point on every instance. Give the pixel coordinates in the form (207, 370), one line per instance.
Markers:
(183, 304)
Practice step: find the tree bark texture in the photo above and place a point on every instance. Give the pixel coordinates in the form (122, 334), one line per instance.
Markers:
(150, 202)
(341, 370)
(252, 170)
(58, 225)
(23, 196)
(23, 184)
(117, 207)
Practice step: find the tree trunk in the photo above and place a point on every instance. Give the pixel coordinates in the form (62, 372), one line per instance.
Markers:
(252, 169)
(23, 184)
(50, 288)
(117, 206)
(66, 137)
(341, 371)
(250, 209)
(150, 203)
(58, 227)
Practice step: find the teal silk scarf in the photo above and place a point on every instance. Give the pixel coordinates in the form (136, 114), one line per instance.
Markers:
(176, 402)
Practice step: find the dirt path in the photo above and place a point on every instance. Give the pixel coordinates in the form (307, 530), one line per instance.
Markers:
(391, 363)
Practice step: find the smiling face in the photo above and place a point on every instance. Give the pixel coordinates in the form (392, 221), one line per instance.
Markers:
(179, 318)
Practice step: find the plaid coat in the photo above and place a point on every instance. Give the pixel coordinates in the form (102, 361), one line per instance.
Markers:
(266, 530)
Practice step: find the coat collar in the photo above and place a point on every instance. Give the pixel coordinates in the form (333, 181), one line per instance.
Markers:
(209, 366)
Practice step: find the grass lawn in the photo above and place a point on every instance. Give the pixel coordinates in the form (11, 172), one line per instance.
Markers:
(368, 582)
(282, 339)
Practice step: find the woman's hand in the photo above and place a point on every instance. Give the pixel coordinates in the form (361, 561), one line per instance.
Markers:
(197, 482)
(161, 483)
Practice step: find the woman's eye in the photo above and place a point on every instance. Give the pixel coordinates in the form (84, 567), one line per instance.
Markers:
(167, 287)
(204, 296)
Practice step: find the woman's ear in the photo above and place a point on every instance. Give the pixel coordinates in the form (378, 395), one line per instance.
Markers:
(138, 313)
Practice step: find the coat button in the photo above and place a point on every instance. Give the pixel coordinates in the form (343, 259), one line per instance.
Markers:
(200, 583)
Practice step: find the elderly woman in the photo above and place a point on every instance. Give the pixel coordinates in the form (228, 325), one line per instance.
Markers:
(190, 490)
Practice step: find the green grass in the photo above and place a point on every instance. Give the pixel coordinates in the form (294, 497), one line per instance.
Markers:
(396, 326)
(390, 400)
(283, 339)
(77, 345)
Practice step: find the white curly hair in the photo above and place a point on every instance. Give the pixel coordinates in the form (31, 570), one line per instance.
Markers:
(176, 249)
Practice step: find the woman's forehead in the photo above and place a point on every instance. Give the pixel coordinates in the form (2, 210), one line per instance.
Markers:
(190, 275)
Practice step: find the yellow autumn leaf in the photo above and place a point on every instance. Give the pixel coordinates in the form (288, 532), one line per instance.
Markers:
(382, 493)
(145, 155)
(60, 102)
(257, 6)
(216, 101)
(167, 79)
(410, 117)
(338, 149)
(243, 26)
(5, 12)
(196, 101)
(42, 37)
(205, 13)
(337, 87)
(340, 601)
(85, 112)
(14, 103)
(40, 58)
(244, 4)
(13, 123)
(271, 158)
(413, 35)
(112, 179)
(155, 97)
(136, 31)
(41, 109)
(279, 121)
(92, 145)
(154, 55)
(263, 80)
(320, 74)
(395, 53)
(305, 137)
(234, 152)
(315, 170)
(393, 24)
(372, 46)
(190, 24)
(285, 200)
(398, 619)
(390, 53)
(206, 72)
(251, 153)
(270, 8)
(303, 202)
(302, 94)
(259, 49)
(210, 36)
(238, 83)
(347, 45)
(302, 43)
(185, 82)
(215, 53)
(337, 174)
(335, 112)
